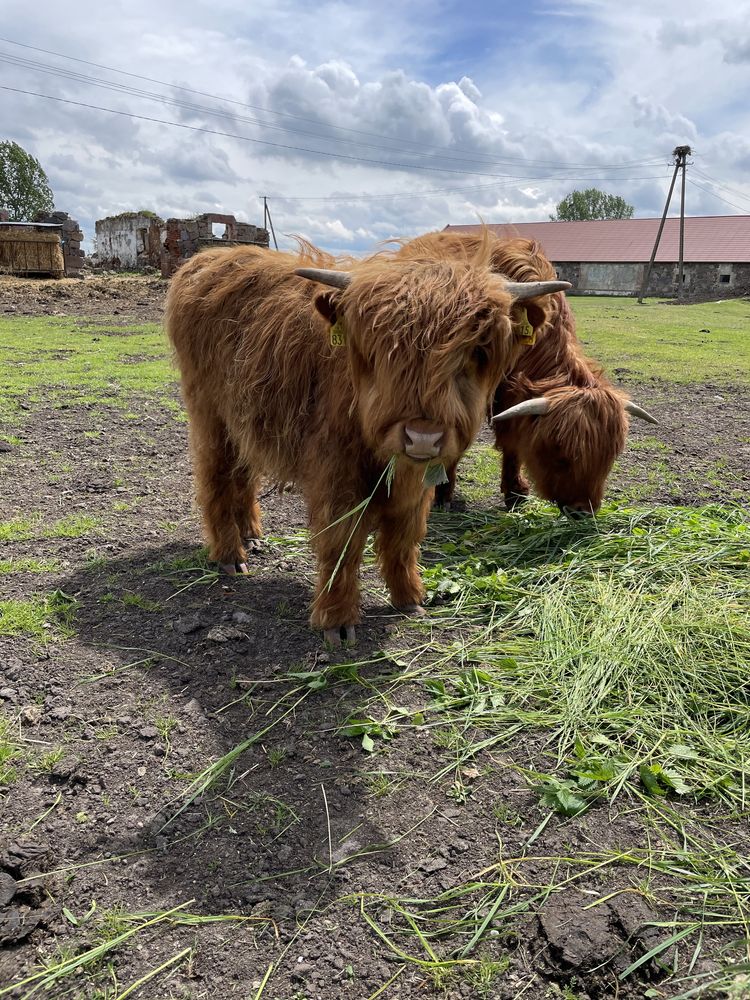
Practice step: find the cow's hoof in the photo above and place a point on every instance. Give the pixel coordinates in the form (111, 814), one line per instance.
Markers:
(336, 637)
(442, 505)
(412, 609)
(235, 568)
(513, 500)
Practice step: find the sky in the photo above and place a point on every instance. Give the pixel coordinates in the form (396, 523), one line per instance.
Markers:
(362, 122)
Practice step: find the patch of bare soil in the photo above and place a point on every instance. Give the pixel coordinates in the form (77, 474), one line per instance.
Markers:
(135, 298)
(171, 668)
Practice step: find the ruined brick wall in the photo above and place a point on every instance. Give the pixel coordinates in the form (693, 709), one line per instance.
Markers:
(185, 237)
(71, 240)
(129, 242)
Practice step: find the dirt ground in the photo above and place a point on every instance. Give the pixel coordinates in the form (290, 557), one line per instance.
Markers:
(170, 668)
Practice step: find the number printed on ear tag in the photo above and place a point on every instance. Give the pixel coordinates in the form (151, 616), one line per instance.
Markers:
(338, 334)
(526, 332)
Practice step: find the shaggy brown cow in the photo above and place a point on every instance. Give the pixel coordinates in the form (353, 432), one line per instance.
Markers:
(268, 392)
(556, 412)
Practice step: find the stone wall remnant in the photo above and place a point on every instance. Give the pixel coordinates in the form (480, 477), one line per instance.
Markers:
(71, 239)
(185, 237)
(130, 241)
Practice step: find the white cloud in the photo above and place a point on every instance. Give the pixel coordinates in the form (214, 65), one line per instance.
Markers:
(516, 111)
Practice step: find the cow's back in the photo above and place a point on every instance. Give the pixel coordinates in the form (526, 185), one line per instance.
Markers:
(249, 345)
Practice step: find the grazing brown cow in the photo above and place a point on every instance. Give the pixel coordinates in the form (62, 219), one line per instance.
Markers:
(556, 413)
(323, 387)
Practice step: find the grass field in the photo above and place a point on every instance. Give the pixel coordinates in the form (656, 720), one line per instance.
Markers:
(540, 790)
(707, 342)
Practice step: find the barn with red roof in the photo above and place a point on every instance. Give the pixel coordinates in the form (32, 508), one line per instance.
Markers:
(609, 256)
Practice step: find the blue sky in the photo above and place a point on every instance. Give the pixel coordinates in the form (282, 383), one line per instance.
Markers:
(470, 109)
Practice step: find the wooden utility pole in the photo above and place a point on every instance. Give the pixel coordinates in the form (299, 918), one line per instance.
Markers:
(268, 221)
(680, 154)
(684, 152)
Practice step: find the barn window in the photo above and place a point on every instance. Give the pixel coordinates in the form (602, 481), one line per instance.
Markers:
(724, 279)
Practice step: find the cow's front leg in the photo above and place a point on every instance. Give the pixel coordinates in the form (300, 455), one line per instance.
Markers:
(444, 491)
(514, 485)
(339, 548)
(400, 532)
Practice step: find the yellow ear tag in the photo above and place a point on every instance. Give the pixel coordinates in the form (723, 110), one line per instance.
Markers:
(338, 334)
(526, 332)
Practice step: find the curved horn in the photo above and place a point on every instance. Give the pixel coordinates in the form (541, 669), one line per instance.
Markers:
(530, 289)
(337, 279)
(528, 408)
(638, 411)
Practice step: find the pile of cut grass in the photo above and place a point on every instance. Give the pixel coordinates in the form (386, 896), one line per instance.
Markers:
(627, 639)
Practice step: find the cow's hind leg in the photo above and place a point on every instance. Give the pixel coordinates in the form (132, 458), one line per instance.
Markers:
(444, 492)
(226, 493)
(400, 532)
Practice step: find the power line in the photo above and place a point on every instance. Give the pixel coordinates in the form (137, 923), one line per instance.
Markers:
(232, 116)
(714, 183)
(264, 142)
(539, 181)
(744, 210)
(445, 151)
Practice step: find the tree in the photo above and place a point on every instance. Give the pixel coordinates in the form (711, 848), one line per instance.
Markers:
(592, 204)
(24, 188)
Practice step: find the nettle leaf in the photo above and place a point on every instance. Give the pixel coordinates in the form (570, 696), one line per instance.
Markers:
(314, 680)
(355, 727)
(675, 781)
(436, 688)
(649, 775)
(682, 751)
(367, 729)
(561, 795)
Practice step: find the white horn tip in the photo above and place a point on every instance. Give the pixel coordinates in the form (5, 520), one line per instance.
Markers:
(638, 411)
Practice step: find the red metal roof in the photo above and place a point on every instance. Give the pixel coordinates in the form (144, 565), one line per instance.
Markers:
(720, 239)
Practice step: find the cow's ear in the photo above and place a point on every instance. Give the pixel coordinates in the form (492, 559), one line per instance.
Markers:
(537, 315)
(325, 303)
(529, 312)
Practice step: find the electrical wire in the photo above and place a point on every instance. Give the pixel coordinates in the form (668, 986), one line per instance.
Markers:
(715, 195)
(714, 183)
(265, 142)
(444, 151)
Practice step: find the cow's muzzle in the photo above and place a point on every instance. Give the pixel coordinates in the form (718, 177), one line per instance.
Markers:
(422, 445)
(576, 511)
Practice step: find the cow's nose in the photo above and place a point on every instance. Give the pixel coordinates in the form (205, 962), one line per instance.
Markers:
(419, 444)
(576, 511)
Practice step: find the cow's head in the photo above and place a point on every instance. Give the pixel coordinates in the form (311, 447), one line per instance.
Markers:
(427, 342)
(569, 438)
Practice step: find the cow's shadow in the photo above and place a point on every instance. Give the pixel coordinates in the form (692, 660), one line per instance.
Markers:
(224, 774)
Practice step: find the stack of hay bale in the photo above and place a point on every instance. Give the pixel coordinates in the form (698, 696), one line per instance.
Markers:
(72, 236)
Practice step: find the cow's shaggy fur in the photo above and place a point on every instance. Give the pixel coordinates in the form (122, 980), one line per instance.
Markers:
(268, 395)
(569, 451)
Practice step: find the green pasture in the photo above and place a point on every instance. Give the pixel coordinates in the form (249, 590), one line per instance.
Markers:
(64, 361)
(709, 342)
(68, 361)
